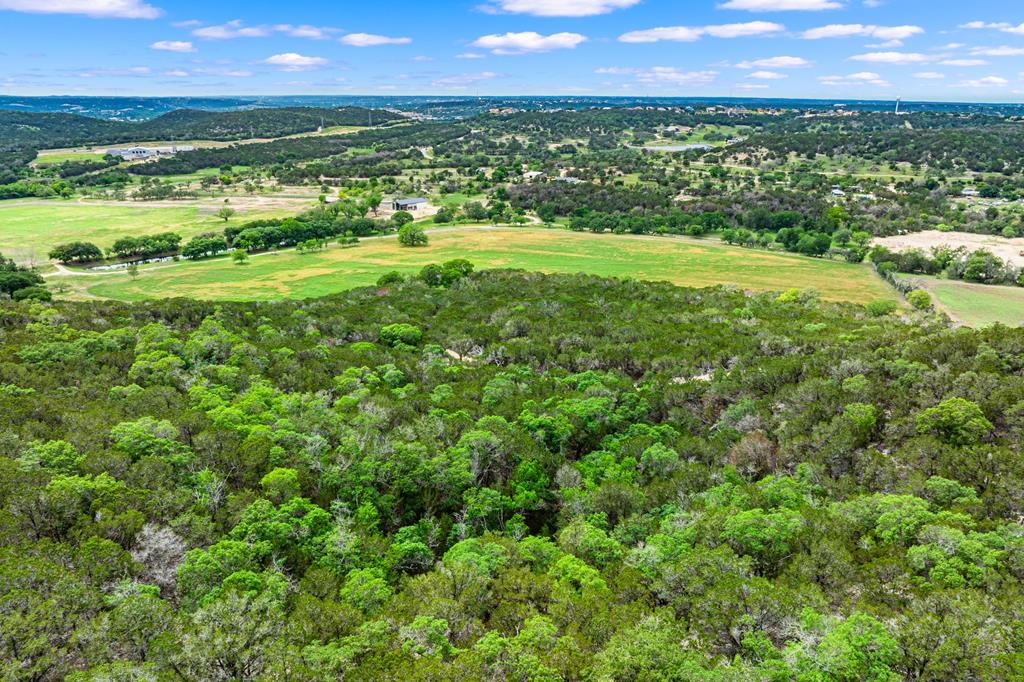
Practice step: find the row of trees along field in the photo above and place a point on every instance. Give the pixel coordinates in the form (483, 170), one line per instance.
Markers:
(327, 222)
(509, 476)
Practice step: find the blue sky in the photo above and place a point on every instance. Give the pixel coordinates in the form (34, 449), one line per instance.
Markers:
(915, 49)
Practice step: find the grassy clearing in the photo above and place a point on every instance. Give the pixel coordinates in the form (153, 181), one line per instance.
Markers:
(39, 225)
(48, 158)
(684, 262)
(977, 305)
(457, 199)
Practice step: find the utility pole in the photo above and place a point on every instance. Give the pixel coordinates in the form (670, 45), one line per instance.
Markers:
(898, 100)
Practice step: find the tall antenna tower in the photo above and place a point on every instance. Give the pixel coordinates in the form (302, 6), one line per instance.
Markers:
(898, 101)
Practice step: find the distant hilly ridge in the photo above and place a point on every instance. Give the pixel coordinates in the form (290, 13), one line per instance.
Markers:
(21, 130)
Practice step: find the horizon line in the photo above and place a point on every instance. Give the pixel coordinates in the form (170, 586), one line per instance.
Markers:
(521, 96)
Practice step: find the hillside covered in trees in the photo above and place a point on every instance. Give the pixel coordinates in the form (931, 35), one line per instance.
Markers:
(27, 129)
(497, 477)
(983, 149)
(21, 133)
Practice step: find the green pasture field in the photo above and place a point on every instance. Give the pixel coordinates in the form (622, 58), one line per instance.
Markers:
(457, 199)
(687, 262)
(332, 130)
(977, 305)
(40, 225)
(194, 177)
(48, 158)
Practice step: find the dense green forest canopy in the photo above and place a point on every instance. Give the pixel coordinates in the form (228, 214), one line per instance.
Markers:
(44, 131)
(22, 133)
(509, 476)
(980, 148)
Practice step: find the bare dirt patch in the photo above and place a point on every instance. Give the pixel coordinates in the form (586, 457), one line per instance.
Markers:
(1011, 250)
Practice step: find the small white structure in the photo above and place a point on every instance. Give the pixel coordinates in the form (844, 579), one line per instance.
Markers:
(532, 175)
(970, 192)
(133, 153)
(143, 153)
(408, 204)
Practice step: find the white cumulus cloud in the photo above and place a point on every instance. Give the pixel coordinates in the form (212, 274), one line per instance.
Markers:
(963, 62)
(893, 35)
(898, 58)
(306, 31)
(679, 34)
(372, 40)
(173, 46)
(528, 42)
(1003, 26)
(231, 30)
(557, 8)
(292, 61)
(859, 78)
(1001, 51)
(237, 29)
(781, 62)
(929, 75)
(743, 30)
(689, 34)
(767, 75)
(118, 9)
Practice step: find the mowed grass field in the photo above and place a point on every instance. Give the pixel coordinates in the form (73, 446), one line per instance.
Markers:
(289, 274)
(59, 156)
(39, 225)
(977, 305)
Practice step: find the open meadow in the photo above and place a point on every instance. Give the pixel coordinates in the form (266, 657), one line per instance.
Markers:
(289, 274)
(976, 305)
(32, 227)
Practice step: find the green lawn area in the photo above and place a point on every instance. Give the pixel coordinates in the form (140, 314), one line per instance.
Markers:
(198, 175)
(977, 305)
(684, 262)
(61, 156)
(333, 130)
(41, 225)
(457, 199)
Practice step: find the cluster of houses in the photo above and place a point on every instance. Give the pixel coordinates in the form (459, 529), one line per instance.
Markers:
(143, 153)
